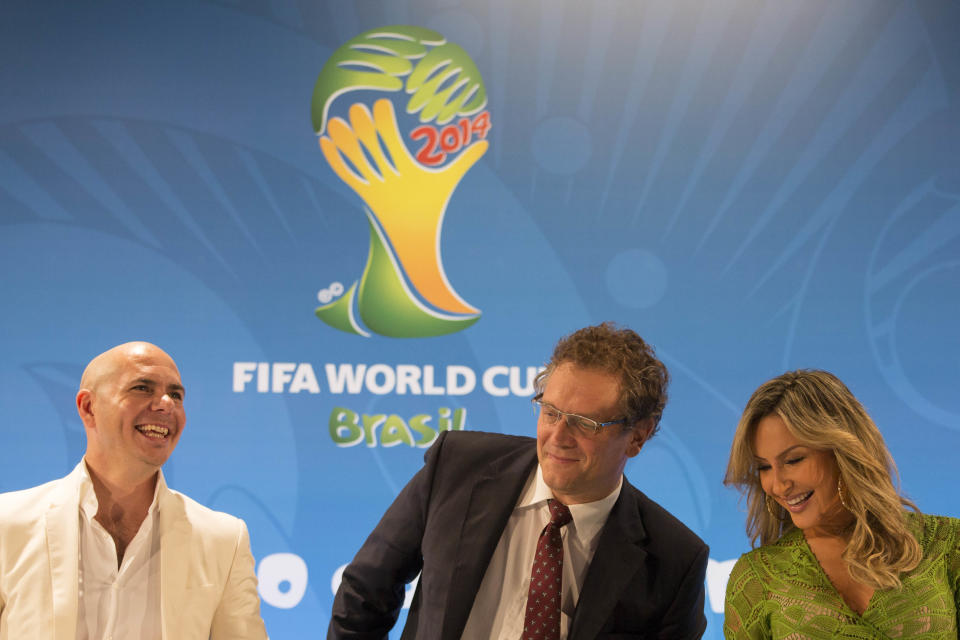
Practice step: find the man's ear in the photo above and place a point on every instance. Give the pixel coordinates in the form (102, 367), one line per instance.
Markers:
(641, 432)
(85, 407)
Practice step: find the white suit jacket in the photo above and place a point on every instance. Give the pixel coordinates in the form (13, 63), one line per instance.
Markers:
(208, 586)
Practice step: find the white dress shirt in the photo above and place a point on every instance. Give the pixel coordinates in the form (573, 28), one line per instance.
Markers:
(124, 603)
(499, 607)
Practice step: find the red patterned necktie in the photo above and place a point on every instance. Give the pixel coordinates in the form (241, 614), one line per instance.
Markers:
(542, 619)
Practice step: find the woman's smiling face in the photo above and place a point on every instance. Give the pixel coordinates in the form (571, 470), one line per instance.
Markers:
(802, 479)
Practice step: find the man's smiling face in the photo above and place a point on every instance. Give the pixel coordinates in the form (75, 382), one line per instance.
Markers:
(580, 467)
(134, 409)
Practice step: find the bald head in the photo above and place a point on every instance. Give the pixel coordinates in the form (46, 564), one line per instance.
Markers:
(131, 404)
(105, 365)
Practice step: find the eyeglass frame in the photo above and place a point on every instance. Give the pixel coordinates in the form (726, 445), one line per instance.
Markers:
(595, 429)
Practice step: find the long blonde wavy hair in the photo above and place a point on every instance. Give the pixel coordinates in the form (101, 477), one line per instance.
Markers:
(822, 413)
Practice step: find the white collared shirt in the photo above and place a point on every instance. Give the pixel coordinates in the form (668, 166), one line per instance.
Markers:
(498, 609)
(117, 604)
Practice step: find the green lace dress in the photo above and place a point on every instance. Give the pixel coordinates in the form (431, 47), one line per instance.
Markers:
(780, 591)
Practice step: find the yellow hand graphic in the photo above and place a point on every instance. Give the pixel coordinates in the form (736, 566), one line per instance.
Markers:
(408, 199)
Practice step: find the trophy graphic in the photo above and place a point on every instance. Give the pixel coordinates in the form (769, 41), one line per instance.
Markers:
(403, 291)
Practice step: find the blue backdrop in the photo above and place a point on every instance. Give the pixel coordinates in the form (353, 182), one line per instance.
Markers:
(753, 187)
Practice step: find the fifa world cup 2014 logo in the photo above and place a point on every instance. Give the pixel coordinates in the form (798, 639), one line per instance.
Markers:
(403, 291)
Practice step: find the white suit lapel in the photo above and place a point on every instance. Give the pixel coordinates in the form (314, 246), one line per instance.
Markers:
(174, 559)
(62, 523)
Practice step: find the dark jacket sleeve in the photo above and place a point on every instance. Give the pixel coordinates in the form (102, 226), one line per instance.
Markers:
(685, 617)
(372, 590)
(646, 579)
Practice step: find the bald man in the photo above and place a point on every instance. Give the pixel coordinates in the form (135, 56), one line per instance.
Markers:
(109, 551)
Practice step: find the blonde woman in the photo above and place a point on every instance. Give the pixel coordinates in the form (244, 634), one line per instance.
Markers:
(842, 553)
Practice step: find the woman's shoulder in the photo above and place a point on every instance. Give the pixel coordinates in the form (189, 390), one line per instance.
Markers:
(935, 531)
(937, 522)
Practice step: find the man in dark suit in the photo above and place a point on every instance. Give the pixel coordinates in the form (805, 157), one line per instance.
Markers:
(471, 521)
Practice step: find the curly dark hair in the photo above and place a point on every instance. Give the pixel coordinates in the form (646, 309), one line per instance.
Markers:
(621, 352)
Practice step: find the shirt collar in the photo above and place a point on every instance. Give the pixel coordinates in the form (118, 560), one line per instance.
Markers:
(588, 518)
(88, 497)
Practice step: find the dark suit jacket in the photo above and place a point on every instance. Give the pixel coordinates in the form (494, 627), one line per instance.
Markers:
(645, 580)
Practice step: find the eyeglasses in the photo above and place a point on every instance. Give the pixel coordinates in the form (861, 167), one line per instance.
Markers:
(588, 426)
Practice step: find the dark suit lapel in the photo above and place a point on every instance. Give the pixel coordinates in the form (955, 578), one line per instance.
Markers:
(620, 554)
(492, 500)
